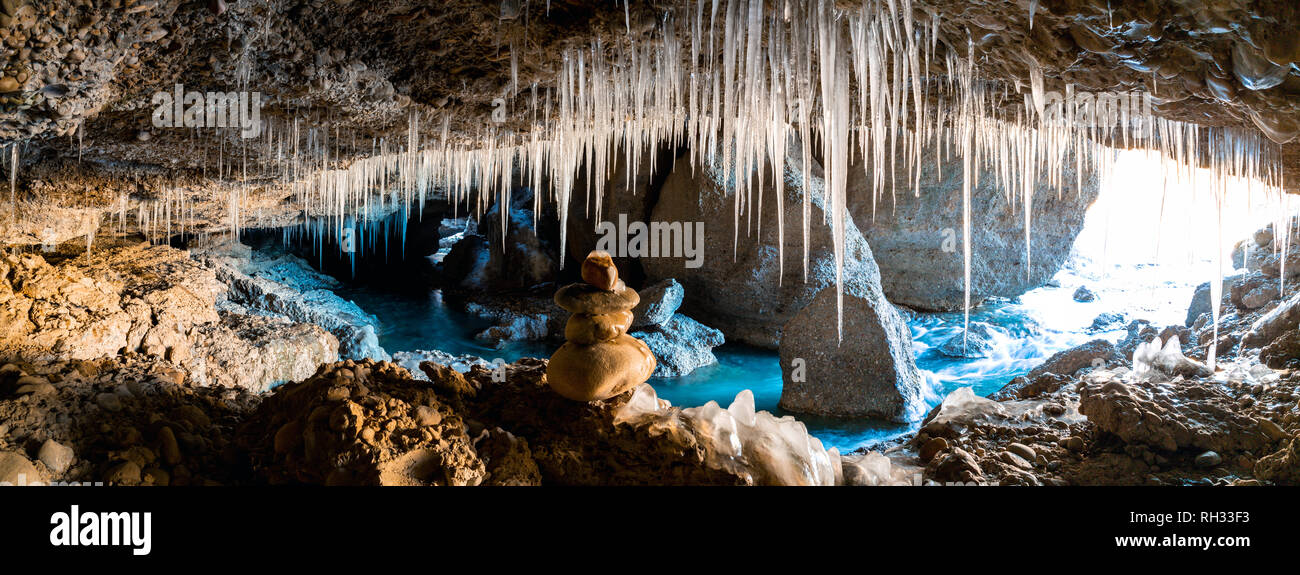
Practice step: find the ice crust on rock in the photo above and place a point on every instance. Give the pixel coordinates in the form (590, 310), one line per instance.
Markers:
(1154, 361)
(769, 449)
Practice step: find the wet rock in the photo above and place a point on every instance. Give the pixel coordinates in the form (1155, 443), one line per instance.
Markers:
(1024, 451)
(973, 343)
(1283, 352)
(468, 263)
(598, 271)
(659, 303)
(1106, 321)
(681, 345)
(523, 256)
(411, 360)
(287, 286)
(1285, 317)
(1096, 353)
(1252, 290)
(1024, 388)
(1273, 430)
(1201, 301)
(871, 372)
(956, 466)
(1073, 443)
(1208, 459)
(1084, 295)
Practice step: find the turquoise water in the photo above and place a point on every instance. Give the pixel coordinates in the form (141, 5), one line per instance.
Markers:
(1020, 343)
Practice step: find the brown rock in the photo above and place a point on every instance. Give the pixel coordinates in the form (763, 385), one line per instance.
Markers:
(588, 329)
(167, 446)
(583, 298)
(598, 270)
(600, 371)
(932, 448)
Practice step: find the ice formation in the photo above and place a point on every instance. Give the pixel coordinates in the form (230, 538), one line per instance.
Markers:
(733, 82)
(1154, 361)
(768, 449)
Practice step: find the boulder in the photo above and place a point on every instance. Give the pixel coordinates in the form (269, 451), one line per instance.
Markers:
(972, 343)
(659, 303)
(1084, 295)
(681, 345)
(917, 241)
(748, 286)
(870, 372)
(1106, 321)
(1097, 352)
(1192, 414)
(466, 265)
(1284, 317)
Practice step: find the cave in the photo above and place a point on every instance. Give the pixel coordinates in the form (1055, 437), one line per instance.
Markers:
(633, 242)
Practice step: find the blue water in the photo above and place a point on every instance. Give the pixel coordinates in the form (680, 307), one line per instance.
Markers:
(1021, 342)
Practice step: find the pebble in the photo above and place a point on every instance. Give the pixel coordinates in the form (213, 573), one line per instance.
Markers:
(1023, 450)
(1208, 459)
(56, 456)
(171, 451)
(1272, 430)
(1015, 460)
(426, 416)
(193, 415)
(1073, 443)
(125, 473)
(34, 385)
(933, 447)
(109, 401)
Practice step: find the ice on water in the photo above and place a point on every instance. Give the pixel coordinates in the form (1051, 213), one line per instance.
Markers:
(770, 450)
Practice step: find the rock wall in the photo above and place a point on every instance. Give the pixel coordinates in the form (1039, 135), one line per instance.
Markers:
(153, 300)
(744, 286)
(918, 243)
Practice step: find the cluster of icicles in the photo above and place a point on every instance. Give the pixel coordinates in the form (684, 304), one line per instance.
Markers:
(745, 86)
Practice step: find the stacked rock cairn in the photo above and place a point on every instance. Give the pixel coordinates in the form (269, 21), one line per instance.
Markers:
(598, 359)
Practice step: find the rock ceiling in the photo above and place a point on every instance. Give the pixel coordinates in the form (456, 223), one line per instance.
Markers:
(78, 75)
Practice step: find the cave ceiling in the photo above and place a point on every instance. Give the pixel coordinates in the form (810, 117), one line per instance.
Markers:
(78, 76)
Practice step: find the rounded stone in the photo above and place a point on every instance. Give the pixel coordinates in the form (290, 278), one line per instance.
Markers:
(599, 371)
(56, 456)
(591, 300)
(599, 270)
(588, 329)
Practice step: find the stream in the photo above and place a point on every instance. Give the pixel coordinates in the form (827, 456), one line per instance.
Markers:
(1025, 332)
